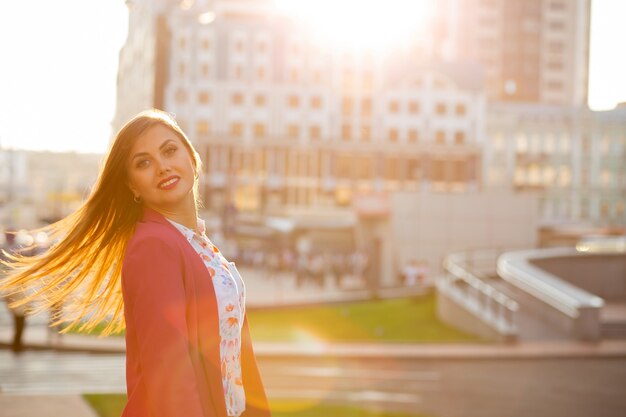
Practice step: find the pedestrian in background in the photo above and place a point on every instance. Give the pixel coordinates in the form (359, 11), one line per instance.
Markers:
(140, 256)
(18, 313)
(411, 272)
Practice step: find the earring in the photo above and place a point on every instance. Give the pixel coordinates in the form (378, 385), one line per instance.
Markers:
(137, 199)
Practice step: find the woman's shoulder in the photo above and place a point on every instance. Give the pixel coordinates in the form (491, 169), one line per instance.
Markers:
(156, 234)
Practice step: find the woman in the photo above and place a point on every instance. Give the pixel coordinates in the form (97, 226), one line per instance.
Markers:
(187, 339)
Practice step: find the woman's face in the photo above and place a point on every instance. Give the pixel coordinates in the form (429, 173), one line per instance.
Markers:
(161, 170)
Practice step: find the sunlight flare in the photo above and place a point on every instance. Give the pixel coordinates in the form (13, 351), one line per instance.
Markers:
(358, 24)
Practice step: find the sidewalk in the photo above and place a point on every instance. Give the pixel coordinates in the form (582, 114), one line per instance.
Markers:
(263, 293)
(282, 292)
(44, 406)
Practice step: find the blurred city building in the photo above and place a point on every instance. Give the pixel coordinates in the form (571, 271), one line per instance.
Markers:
(573, 158)
(302, 140)
(13, 185)
(37, 188)
(532, 50)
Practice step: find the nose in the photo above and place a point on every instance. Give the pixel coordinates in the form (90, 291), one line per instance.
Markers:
(163, 166)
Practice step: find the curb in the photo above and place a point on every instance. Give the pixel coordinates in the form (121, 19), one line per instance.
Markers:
(615, 349)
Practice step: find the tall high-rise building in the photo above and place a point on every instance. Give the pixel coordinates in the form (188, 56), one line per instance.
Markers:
(531, 50)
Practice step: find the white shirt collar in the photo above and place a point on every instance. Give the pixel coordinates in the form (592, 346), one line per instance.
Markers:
(187, 232)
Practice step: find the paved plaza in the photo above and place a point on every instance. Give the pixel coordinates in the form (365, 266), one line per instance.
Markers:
(556, 378)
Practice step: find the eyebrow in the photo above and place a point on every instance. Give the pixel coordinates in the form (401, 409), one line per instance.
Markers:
(146, 153)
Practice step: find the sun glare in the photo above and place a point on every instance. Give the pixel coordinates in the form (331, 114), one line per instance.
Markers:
(309, 341)
(360, 24)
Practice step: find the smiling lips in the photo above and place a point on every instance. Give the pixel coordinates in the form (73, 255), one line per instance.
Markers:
(168, 183)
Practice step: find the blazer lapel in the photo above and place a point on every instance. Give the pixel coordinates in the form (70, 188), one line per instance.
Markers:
(202, 312)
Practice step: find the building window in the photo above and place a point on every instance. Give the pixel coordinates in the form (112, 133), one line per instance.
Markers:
(391, 168)
(366, 133)
(393, 135)
(414, 107)
(459, 138)
(239, 46)
(293, 101)
(605, 209)
(557, 5)
(260, 131)
(205, 70)
(237, 99)
(294, 75)
(236, 129)
(459, 171)
(317, 76)
(204, 97)
(202, 127)
(348, 80)
(555, 85)
(438, 170)
(565, 176)
(182, 69)
(315, 132)
(414, 170)
(557, 25)
(394, 106)
(606, 177)
(440, 109)
(293, 131)
(346, 132)
(180, 96)
(556, 47)
(460, 109)
(413, 136)
(363, 167)
(440, 137)
(260, 100)
(368, 81)
(182, 42)
(555, 65)
(261, 73)
(346, 105)
(238, 72)
(366, 107)
(261, 47)
(316, 102)
(440, 83)
(343, 166)
(205, 44)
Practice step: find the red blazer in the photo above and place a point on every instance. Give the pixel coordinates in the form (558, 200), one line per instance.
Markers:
(172, 333)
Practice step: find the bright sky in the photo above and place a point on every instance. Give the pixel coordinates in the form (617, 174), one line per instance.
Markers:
(59, 66)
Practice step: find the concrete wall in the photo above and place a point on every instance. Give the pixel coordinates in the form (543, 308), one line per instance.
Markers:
(430, 226)
(583, 271)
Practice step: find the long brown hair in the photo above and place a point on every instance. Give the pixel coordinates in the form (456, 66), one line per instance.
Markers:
(82, 270)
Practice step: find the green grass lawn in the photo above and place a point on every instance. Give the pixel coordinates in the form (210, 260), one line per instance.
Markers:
(411, 319)
(397, 320)
(111, 405)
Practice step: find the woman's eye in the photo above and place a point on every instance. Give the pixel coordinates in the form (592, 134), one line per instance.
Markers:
(170, 150)
(141, 164)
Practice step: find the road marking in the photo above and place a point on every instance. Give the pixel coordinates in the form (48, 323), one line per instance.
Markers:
(356, 396)
(335, 372)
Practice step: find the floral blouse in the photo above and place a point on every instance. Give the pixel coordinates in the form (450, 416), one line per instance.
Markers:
(230, 293)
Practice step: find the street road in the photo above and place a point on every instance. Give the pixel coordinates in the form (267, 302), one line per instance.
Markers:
(441, 388)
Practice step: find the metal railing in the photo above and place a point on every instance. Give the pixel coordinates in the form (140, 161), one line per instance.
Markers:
(465, 282)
